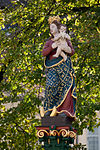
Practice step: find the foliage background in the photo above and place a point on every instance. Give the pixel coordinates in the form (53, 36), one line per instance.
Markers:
(23, 32)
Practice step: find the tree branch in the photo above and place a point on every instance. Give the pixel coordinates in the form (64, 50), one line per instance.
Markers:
(83, 9)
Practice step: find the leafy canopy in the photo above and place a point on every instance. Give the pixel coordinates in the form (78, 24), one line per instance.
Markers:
(24, 30)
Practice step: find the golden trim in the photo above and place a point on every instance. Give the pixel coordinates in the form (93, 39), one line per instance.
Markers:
(53, 132)
(72, 93)
(72, 134)
(74, 116)
(54, 64)
(74, 97)
(63, 132)
(48, 141)
(58, 141)
(41, 133)
(64, 100)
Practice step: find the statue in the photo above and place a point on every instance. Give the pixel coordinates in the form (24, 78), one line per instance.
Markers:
(60, 95)
(61, 39)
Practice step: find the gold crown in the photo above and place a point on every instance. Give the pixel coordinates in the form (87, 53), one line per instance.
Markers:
(51, 19)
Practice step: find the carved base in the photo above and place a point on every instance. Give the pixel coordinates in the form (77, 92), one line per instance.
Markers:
(56, 132)
(56, 137)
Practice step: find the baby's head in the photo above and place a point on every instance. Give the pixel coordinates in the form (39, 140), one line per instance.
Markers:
(62, 28)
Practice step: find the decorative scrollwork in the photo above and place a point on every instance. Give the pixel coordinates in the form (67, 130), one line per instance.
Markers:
(53, 132)
(72, 134)
(41, 133)
(63, 132)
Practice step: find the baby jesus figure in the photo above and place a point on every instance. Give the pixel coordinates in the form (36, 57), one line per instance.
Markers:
(61, 43)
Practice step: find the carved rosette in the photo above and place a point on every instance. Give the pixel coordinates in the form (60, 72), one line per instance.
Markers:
(62, 132)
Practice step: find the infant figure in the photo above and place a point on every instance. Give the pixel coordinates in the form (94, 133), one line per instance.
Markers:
(61, 43)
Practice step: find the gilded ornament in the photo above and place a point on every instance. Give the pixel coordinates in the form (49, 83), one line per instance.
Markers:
(63, 132)
(53, 132)
(51, 19)
(41, 133)
(72, 134)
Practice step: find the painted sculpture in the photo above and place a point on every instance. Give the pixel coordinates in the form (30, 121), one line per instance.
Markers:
(60, 39)
(60, 95)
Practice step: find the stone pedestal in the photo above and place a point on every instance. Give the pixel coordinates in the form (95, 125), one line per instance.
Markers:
(56, 133)
(57, 120)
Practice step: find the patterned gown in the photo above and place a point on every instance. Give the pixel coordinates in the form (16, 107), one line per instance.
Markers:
(60, 81)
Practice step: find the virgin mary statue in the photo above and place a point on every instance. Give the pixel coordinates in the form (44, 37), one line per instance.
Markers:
(60, 95)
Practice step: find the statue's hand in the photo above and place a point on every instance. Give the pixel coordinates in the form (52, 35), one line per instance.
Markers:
(62, 34)
(57, 37)
(67, 37)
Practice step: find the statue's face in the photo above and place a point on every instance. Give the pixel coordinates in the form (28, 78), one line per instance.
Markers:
(53, 29)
